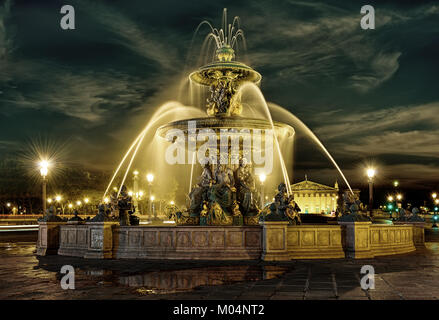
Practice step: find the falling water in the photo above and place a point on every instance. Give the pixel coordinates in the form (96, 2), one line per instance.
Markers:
(287, 117)
(296, 122)
(170, 111)
(255, 90)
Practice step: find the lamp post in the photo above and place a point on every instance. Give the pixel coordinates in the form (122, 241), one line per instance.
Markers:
(150, 179)
(44, 170)
(136, 188)
(58, 199)
(370, 174)
(152, 198)
(262, 178)
(435, 208)
(86, 208)
(390, 206)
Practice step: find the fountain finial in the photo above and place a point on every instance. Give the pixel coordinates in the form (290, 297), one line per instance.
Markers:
(225, 53)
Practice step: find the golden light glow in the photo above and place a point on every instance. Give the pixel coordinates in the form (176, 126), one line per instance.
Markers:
(58, 198)
(106, 200)
(390, 198)
(86, 200)
(434, 195)
(44, 167)
(262, 177)
(172, 203)
(152, 198)
(436, 201)
(130, 193)
(49, 200)
(150, 177)
(136, 172)
(395, 183)
(70, 206)
(399, 196)
(8, 204)
(78, 203)
(371, 172)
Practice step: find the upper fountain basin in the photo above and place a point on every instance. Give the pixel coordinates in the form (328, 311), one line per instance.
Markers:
(236, 71)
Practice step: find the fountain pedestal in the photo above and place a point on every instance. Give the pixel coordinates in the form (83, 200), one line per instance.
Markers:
(100, 245)
(274, 241)
(357, 239)
(48, 238)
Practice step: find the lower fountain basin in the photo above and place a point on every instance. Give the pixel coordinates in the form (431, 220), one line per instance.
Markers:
(227, 123)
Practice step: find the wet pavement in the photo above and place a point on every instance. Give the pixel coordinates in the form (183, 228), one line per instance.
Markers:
(408, 276)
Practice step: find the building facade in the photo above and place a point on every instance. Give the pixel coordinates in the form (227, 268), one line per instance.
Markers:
(312, 197)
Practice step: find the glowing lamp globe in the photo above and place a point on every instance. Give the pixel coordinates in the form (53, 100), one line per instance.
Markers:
(44, 168)
(371, 173)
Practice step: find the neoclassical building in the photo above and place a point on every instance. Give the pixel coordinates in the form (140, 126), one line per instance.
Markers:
(314, 197)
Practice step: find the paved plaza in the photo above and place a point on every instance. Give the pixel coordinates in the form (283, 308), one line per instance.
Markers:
(409, 276)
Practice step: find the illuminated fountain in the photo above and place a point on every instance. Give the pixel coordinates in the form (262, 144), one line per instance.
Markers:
(224, 191)
(217, 152)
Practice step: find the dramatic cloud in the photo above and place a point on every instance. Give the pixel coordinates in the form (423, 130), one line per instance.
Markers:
(366, 93)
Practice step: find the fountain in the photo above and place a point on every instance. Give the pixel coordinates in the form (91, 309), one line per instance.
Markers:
(225, 193)
(219, 150)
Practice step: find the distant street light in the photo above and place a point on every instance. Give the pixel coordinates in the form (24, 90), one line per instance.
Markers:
(136, 189)
(371, 172)
(390, 198)
(152, 198)
(44, 170)
(399, 197)
(262, 178)
(395, 183)
(150, 179)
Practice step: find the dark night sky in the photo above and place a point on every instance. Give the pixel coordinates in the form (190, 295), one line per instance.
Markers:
(370, 96)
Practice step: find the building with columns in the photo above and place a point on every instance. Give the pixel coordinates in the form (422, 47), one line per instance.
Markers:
(312, 197)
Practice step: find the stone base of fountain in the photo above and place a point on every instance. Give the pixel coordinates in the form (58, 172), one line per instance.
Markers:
(270, 241)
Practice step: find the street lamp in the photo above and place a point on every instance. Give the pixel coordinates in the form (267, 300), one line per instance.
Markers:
(399, 197)
(44, 170)
(136, 188)
(395, 183)
(150, 179)
(152, 198)
(370, 174)
(262, 178)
